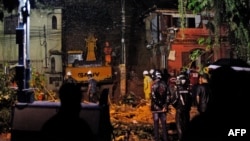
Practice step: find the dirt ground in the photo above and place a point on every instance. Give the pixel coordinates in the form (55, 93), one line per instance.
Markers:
(141, 116)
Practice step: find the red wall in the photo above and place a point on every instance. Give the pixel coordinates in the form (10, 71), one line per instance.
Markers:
(179, 48)
(189, 42)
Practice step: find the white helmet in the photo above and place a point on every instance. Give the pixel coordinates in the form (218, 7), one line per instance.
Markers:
(69, 73)
(158, 75)
(151, 71)
(145, 72)
(89, 72)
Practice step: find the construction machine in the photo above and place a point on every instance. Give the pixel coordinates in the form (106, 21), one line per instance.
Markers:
(79, 62)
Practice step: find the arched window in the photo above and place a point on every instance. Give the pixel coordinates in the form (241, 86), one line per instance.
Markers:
(54, 22)
(53, 65)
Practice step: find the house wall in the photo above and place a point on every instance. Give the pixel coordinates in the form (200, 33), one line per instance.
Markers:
(186, 41)
(135, 45)
(38, 20)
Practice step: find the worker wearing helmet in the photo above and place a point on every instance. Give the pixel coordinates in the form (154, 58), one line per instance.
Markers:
(182, 102)
(159, 106)
(92, 89)
(151, 73)
(69, 78)
(147, 81)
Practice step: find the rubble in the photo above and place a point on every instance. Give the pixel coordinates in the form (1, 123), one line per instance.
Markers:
(137, 122)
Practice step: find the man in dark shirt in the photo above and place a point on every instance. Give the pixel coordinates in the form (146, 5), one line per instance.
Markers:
(92, 88)
(159, 106)
(203, 91)
(182, 102)
(227, 107)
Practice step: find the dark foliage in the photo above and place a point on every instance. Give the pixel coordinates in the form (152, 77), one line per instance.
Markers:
(10, 4)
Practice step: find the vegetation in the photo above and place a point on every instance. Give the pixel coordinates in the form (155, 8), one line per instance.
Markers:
(37, 82)
(10, 5)
(232, 14)
(7, 99)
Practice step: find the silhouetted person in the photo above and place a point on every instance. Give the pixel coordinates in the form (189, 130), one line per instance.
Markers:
(165, 75)
(227, 108)
(182, 102)
(159, 104)
(67, 124)
(92, 88)
(203, 91)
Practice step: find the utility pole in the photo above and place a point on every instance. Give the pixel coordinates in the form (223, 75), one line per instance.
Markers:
(123, 51)
(24, 94)
(44, 43)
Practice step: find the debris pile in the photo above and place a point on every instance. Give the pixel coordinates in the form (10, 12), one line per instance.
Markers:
(136, 123)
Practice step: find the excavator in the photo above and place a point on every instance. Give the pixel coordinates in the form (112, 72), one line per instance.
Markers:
(79, 62)
(95, 114)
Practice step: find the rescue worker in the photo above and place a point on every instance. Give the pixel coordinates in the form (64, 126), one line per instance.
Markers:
(182, 102)
(147, 82)
(92, 88)
(159, 106)
(151, 72)
(69, 78)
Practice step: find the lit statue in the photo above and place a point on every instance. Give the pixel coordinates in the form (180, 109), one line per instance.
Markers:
(91, 47)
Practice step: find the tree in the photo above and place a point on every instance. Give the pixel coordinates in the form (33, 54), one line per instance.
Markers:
(234, 14)
(10, 5)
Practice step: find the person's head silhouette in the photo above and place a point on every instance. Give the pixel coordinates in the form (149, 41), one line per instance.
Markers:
(67, 121)
(70, 96)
